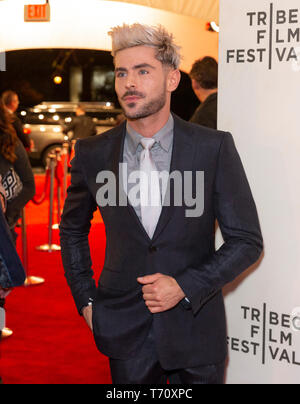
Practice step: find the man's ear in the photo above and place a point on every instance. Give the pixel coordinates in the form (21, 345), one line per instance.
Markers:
(173, 80)
(195, 84)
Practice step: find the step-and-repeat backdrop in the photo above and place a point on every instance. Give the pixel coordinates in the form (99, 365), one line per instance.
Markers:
(259, 103)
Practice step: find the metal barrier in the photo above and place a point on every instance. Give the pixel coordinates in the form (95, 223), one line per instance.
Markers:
(30, 280)
(50, 247)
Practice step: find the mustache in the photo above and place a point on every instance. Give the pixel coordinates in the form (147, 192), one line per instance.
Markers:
(133, 94)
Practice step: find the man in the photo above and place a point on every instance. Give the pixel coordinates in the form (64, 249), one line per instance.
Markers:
(204, 76)
(82, 126)
(11, 103)
(158, 312)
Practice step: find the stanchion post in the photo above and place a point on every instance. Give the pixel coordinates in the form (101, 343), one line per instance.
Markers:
(50, 247)
(30, 280)
(56, 226)
(65, 154)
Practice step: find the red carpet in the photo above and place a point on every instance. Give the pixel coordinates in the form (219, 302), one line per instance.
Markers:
(51, 343)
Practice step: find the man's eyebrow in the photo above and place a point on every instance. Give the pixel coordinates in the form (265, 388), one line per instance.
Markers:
(120, 69)
(143, 65)
(140, 66)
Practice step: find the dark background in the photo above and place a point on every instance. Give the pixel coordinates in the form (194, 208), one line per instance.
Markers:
(30, 73)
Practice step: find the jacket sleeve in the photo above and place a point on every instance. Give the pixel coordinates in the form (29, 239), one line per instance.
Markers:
(23, 169)
(70, 127)
(74, 231)
(206, 115)
(24, 138)
(237, 216)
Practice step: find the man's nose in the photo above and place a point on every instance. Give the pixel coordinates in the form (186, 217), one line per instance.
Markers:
(130, 82)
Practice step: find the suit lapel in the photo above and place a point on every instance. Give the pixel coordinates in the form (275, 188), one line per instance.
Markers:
(182, 160)
(117, 159)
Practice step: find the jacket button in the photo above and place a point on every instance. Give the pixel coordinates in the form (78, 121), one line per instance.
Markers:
(153, 249)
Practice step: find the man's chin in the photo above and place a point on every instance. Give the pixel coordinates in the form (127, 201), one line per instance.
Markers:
(134, 115)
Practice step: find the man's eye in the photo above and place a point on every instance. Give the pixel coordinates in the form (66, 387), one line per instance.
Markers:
(144, 72)
(121, 74)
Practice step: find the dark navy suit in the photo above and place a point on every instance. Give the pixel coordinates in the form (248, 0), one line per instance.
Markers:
(182, 247)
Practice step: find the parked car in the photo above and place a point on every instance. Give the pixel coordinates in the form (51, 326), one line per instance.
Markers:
(45, 124)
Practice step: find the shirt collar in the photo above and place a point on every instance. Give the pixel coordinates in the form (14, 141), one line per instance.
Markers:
(164, 137)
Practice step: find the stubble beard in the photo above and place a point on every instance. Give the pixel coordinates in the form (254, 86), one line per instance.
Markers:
(151, 108)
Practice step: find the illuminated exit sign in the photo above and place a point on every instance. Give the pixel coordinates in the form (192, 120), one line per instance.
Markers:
(37, 13)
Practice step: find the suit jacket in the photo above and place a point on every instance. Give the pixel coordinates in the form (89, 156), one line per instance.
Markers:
(182, 247)
(18, 126)
(207, 112)
(82, 127)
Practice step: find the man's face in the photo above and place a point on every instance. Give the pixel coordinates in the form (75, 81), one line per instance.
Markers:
(141, 82)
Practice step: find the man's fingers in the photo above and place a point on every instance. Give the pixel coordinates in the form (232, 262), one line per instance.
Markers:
(155, 310)
(149, 289)
(149, 296)
(152, 304)
(145, 280)
(87, 314)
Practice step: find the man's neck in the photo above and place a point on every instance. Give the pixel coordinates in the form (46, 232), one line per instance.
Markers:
(204, 94)
(148, 127)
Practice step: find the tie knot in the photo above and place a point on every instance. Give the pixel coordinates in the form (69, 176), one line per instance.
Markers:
(147, 143)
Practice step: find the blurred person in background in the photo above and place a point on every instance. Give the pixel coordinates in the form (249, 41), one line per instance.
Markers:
(204, 76)
(15, 170)
(17, 188)
(82, 126)
(11, 102)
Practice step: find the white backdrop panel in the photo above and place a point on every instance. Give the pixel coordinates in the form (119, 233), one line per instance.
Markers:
(259, 97)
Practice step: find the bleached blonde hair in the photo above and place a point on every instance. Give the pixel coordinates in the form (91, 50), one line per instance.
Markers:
(129, 36)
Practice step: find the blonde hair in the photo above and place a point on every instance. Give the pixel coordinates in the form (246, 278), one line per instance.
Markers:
(129, 36)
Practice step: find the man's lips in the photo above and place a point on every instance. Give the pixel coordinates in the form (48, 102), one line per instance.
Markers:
(131, 98)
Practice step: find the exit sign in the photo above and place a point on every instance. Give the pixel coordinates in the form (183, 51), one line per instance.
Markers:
(37, 13)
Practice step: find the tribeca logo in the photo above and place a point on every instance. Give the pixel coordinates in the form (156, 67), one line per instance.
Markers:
(2, 61)
(276, 33)
(272, 336)
(187, 189)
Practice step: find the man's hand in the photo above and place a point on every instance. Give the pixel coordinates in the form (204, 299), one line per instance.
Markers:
(87, 313)
(161, 292)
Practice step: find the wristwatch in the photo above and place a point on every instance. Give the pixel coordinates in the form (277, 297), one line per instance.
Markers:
(186, 303)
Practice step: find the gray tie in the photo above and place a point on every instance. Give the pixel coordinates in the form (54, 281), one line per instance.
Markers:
(151, 205)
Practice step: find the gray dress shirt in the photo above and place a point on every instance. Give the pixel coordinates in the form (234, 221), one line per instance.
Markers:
(161, 153)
